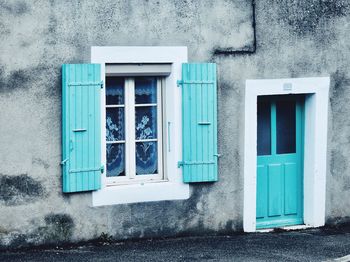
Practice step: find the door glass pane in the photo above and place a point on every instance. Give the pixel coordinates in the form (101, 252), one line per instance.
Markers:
(146, 122)
(115, 124)
(264, 128)
(146, 158)
(145, 90)
(114, 91)
(285, 126)
(115, 159)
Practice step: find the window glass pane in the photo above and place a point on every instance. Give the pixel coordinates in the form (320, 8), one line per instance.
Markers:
(264, 128)
(145, 90)
(115, 159)
(115, 124)
(114, 90)
(146, 158)
(146, 122)
(285, 126)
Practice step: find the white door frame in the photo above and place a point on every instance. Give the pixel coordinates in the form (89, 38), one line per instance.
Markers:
(315, 144)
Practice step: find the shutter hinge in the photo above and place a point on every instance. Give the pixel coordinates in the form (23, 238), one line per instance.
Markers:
(179, 82)
(191, 163)
(217, 155)
(102, 169)
(64, 161)
(101, 84)
(180, 164)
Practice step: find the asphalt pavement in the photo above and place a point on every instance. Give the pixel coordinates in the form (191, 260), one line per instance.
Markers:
(324, 244)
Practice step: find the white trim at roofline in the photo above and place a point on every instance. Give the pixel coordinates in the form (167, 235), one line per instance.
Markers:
(315, 145)
(173, 188)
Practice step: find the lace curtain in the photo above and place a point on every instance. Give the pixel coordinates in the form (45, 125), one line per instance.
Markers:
(146, 125)
(115, 160)
(146, 153)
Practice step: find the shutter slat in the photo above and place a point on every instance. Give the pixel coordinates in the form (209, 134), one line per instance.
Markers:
(186, 120)
(97, 129)
(205, 117)
(81, 111)
(200, 118)
(212, 141)
(212, 72)
(194, 116)
(199, 122)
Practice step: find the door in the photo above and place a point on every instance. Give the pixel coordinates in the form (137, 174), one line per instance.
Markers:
(279, 161)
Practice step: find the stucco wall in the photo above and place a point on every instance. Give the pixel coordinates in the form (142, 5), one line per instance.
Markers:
(293, 39)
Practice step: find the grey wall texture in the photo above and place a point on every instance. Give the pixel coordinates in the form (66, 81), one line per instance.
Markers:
(266, 39)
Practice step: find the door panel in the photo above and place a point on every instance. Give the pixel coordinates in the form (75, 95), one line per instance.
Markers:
(275, 190)
(291, 188)
(261, 205)
(279, 161)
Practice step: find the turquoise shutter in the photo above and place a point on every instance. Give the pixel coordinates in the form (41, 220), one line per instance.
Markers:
(81, 123)
(199, 121)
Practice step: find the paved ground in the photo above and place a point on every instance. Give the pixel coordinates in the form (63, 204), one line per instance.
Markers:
(306, 245)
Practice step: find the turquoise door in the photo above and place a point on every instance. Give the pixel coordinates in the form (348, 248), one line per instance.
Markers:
(279, 198)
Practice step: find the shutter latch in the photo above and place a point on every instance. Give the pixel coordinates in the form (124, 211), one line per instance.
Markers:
(204, 123)
(217, 155)
(102, 169)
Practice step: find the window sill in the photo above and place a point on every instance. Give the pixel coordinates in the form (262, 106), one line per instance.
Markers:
(135, 193)
(135, 181)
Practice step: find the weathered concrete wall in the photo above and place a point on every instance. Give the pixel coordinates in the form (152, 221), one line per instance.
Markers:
(37, 38)
(293, 39)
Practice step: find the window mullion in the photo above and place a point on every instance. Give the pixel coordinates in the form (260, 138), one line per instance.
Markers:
(131, 128)
(127, 131)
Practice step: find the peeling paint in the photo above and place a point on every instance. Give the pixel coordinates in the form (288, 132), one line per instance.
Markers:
(304, 17)
(14, 7)
(40, 162)
(339, 87)
(16, 79)
(338, 221)
(58, 228)
(17, 190)
(247, 49)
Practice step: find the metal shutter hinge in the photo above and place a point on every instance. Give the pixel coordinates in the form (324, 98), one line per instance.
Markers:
(179, 82)
(64, 161)
(180, 164)
(102, 169)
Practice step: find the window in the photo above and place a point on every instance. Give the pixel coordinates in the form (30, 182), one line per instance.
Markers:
(143, 81)
(134, 129)
(143, 135)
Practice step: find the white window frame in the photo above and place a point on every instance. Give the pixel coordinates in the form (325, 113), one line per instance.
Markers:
(171, 188)
(315, 144)
(130, 141)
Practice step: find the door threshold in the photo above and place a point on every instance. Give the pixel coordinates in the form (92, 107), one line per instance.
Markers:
(284, 228)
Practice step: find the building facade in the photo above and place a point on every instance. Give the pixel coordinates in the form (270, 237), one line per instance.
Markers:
(187, 118)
